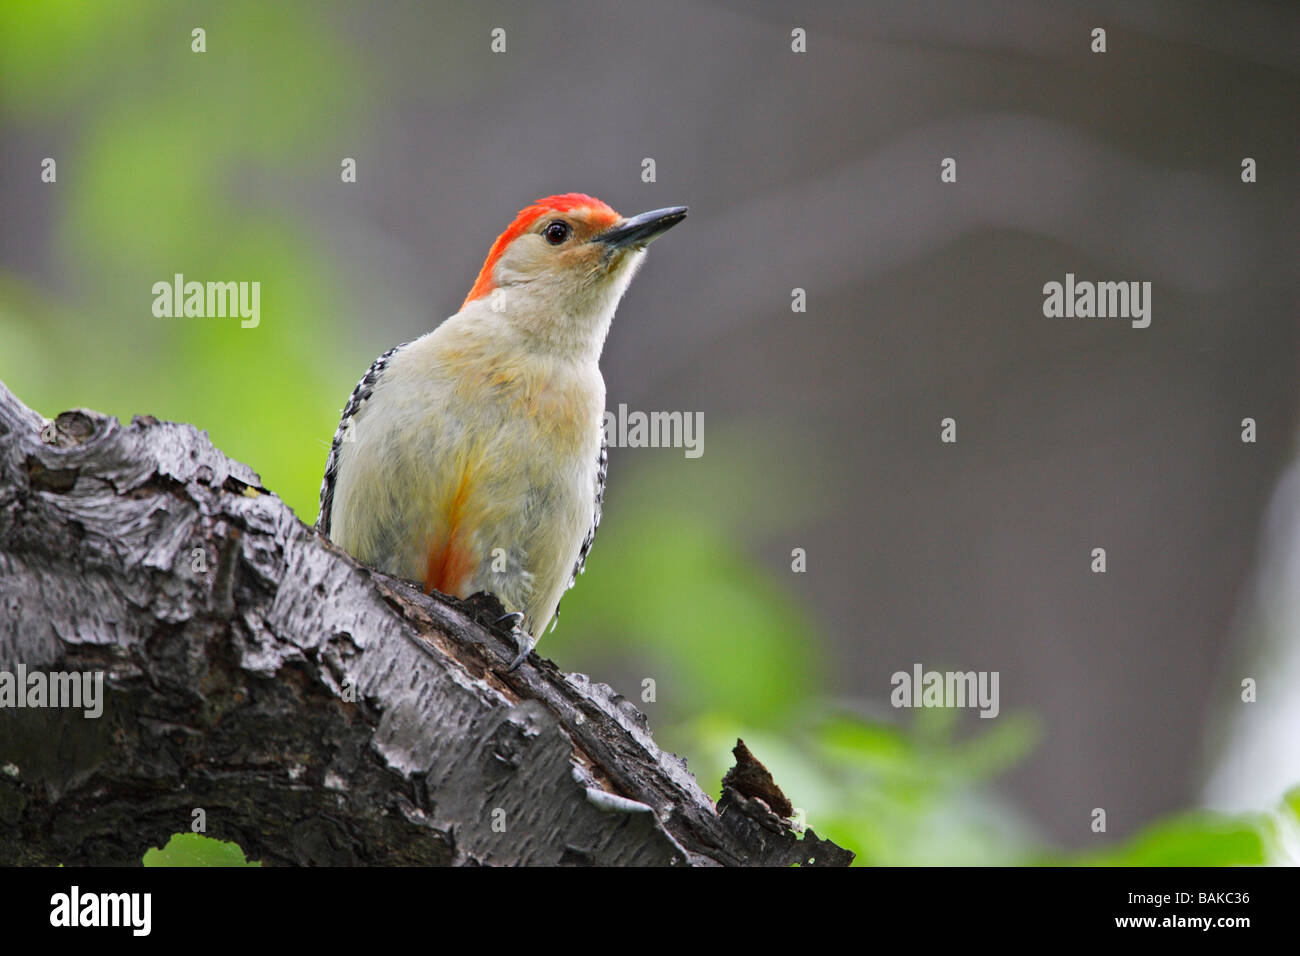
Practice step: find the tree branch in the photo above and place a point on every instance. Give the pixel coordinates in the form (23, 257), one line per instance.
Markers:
(316, 711)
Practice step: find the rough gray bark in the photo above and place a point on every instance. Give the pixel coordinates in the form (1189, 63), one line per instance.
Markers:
(318, 712)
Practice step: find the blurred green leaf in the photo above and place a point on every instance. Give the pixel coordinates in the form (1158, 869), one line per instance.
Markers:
(194, 849)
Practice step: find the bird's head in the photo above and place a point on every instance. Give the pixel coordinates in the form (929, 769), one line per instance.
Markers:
(560, 268)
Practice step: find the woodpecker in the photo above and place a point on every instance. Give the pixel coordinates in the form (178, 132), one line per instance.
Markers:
(473, 458)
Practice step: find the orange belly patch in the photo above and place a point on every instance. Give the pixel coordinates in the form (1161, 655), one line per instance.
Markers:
(449, 568)
(450, 564)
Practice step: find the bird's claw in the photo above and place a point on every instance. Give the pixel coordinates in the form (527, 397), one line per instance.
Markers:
(523, 640)
(526, 642)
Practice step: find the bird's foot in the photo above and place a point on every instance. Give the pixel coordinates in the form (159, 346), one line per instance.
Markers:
(523, 640)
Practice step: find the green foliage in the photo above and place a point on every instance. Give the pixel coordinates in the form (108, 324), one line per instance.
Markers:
(678, 595)
(895, 797)
(1193, 839)
(194, 849)
(184, 176)
(672, 585)
(1202, 838)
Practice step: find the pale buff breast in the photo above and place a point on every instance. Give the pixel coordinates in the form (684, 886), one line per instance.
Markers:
(495, 491)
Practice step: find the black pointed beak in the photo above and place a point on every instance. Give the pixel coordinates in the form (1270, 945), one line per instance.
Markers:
(641, 230)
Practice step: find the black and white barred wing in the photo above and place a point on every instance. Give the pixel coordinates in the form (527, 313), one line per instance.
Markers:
(602, 468)
(358, 398)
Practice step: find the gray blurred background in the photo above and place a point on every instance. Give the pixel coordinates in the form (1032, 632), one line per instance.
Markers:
(820, 170)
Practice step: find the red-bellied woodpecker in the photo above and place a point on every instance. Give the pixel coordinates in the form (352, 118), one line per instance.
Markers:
(473, 458)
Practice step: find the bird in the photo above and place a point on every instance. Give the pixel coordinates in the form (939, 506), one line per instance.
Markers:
(474, 457)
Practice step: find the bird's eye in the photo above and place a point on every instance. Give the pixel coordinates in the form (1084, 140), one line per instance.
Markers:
(557, 232)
